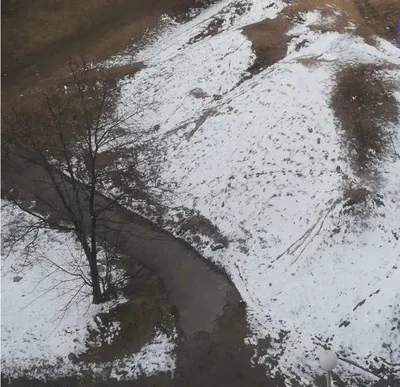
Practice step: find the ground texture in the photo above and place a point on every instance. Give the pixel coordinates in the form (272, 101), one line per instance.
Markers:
(278, 134)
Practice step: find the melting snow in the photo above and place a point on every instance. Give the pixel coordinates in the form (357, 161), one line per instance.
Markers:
(259, 157)
(46, 313)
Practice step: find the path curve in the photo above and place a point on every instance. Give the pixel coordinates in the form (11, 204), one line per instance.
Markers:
(197, 290)
(212, 316)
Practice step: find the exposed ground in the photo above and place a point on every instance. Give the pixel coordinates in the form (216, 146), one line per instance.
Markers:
(38, 40)
(370, 18)
(147, 307)
(366, 109)
(269, 41)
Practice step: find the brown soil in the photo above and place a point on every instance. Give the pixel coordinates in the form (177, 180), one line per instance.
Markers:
(364, 105)
(220, 358)
(370, 17)
(147, 307)
(380, 16)
(212, 29)
(38, 38)
(269, 41)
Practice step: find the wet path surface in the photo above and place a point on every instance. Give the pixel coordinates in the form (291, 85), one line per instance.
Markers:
(212, 317)
(197, 291)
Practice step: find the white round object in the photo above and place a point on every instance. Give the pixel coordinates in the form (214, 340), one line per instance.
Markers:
(328, 360)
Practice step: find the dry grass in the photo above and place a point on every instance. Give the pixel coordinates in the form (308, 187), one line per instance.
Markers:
(353, 197)
(364, 105)
(361, 203)
(371, 17)
(212, 29)
(380, 16)
(308, 61)
(40, 37)
(269, 41)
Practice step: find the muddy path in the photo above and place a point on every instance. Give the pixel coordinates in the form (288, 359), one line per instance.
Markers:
(211, 314)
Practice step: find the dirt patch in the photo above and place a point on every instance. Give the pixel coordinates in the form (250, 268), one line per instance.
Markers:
(308, 61)
(212, 29)
(364, 105)
(355, 201)
(147, 308)
(196, 225)
(220, 358)
(33, 101)
(198, 93)
(369, 17)
(225, 17)
(269, 41)
(114, 73)
(360, 202)
(380, 16)
(38, 38)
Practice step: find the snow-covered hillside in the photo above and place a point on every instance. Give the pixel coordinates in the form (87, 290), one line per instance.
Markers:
(260, 155)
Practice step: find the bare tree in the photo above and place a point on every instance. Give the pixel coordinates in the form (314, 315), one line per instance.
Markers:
(73, 137)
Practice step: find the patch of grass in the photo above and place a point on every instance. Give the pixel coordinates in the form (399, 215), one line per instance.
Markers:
(355, 200)
(364, 105)
(212, 29)
(369, 17)
(269, 41)
(361, 203)
(380, 16)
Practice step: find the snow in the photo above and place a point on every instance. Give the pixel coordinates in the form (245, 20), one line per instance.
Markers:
(46, 313)
(173, 36)
(154, 357)
(36, 302)
(259, 158)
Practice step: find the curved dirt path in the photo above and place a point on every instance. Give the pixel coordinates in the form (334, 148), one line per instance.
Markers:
(212, 317)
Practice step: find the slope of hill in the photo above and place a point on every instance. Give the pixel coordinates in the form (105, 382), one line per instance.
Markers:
(280, 125)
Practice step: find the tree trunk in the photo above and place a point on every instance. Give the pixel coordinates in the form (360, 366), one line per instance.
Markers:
(91, 256)
(94, 275)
